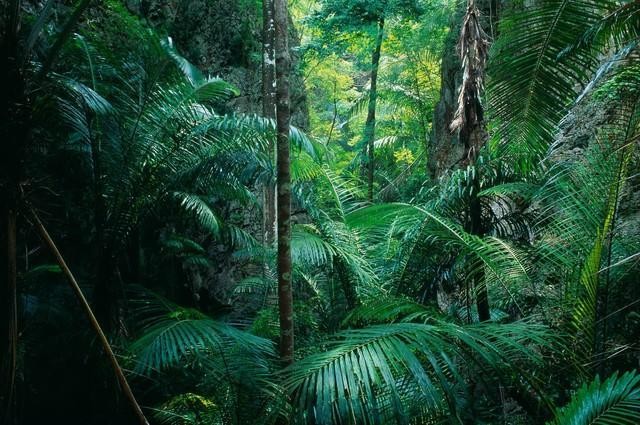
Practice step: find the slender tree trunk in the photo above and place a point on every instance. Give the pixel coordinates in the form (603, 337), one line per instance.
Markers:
(14, 136)
(122, 380)
(285, 295)
(602, 291)
(348, 285)
(472, 137)
(10, 317)
(103, 295)
(423, 122)
(135, 254)
(269, 111)
(67, 30)
(370, 124)
(476, 228)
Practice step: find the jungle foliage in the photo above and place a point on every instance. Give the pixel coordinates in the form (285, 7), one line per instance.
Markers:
(149, 173)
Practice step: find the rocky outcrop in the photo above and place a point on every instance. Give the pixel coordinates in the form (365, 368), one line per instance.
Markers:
(223, 38)
(585, 125)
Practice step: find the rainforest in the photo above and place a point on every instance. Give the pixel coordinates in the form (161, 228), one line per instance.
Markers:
(349, 212)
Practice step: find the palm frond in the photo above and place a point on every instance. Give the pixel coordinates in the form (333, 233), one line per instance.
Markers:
(385, 141)
(206, 88)
(200, 210)
(504, 261)
(615, 401)
(619, 27)
(36, 28)
(390, 309)
(173, 335)
(308, 247)
(264, 128)
(187, 409)
(362, 377)
(530, 89)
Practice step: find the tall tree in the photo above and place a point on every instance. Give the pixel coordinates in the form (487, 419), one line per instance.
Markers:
(14, 132)
(370, 124)
(268, 110)
(473, 48)
(343, 19)
(285, 290)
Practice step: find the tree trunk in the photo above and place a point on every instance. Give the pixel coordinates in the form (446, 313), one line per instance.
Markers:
(67, 31)
(370, 124)
(10, 317)
(285, 295)
(469, 120)
(269, 111)
(473, 137)
(476, 228)
(103, 294)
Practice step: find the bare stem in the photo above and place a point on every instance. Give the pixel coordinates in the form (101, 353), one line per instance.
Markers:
(92, 319)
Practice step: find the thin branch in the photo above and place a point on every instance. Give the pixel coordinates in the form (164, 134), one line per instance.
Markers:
(92, 319)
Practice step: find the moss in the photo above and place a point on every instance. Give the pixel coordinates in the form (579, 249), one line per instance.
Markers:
(112, 28)
(189, 408)
(186, 314)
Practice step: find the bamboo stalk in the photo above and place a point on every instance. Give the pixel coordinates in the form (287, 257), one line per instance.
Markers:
(92, 319)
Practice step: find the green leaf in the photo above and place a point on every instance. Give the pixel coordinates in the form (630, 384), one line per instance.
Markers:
(615, 401)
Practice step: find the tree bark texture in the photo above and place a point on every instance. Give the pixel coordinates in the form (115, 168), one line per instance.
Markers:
(370, 123)
(269, 111)
(285, 295)
(473, 49)
(448, 149)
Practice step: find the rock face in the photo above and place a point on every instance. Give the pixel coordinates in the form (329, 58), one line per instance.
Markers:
(223, 38)
(583, 127)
